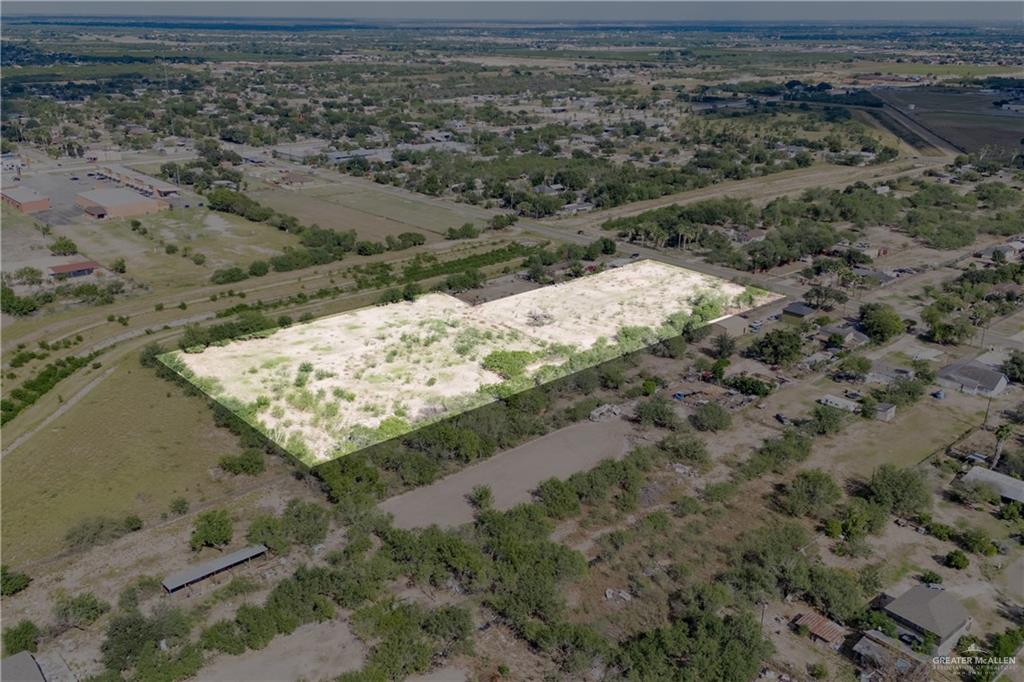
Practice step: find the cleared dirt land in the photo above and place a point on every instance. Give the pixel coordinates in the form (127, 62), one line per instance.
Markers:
(512, 474)
(344, 382)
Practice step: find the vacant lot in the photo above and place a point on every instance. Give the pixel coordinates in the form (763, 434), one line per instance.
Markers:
(87, 463)
(330, 387)
(373, 215)
(220, 240)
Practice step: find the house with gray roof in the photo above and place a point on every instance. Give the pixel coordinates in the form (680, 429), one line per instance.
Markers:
(973, 378)
(924, 611)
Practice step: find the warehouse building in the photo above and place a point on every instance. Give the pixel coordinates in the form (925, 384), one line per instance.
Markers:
(25, 199)
(117, 203)
(140, 182)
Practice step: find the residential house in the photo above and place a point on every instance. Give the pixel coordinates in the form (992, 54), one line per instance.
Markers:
(973, 378)
(924, 612)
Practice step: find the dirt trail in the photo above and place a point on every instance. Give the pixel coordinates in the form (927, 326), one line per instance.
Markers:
(761, 188)
(512, 474)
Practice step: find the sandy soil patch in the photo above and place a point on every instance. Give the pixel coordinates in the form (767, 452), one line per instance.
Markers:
(290, 657)
(344, 382)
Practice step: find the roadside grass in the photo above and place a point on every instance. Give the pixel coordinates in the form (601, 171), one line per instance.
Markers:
(910, 69)
(129, 447)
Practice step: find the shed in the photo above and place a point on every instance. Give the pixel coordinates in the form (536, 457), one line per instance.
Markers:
(79, 269)
(1009, 488)
(797, 310)
(21, 667)
(194, 574)
(885, 412)
(840, 403)
(823, 629)
(876, 650)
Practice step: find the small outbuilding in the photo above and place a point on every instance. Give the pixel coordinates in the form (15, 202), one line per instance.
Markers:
(797, 311)
(80, 269)
(822, 629)
(25, 199)
(194, 574)
(844, 404)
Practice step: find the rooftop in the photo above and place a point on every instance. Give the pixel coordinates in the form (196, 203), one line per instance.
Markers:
(799, 308)
(113, 196)
(197, 572)
(22, 194)
(972, 374)
(21, 667)
(1007, 486)
(822, 628)
(930, 609)
(74, 267)
(156, 183)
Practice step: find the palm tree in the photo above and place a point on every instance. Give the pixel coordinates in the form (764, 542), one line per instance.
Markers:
(1003, 432)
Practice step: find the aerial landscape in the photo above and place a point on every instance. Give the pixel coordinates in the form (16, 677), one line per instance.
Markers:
(445, 342)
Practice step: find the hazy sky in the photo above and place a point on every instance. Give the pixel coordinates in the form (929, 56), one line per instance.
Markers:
(549, 10)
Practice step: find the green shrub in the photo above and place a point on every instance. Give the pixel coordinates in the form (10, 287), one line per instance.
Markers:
(21, 637)
(251, 462)
(12, 582)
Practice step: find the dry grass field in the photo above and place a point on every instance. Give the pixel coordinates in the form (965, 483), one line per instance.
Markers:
(86, 463)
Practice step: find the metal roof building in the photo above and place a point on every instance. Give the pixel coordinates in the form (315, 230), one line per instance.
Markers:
(972, 377)
(1008, 487)
(21, 667)
(194, 574)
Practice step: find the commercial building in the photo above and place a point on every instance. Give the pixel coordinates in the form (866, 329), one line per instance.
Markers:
(25, 199)
(117, 203)
(150, 186)
(922, 612)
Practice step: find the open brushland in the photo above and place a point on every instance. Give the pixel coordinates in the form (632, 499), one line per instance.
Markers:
(339, 384)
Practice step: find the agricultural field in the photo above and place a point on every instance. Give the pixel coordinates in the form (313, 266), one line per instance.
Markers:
(969, 120)
(328, 388)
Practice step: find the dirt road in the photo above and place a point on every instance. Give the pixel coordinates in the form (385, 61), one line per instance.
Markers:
(512, 474)
(768, 187)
